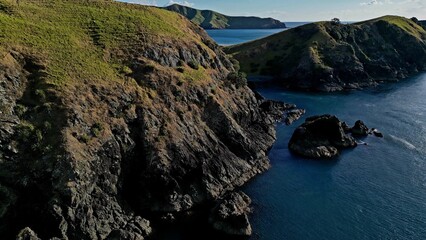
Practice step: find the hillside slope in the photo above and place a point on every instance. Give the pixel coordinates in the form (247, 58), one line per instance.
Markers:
(113, 112)
(331, 57)
(213, 20)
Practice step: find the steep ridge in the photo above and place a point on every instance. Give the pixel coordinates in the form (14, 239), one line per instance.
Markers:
(110, 113)
(213, 20)
(328, 56)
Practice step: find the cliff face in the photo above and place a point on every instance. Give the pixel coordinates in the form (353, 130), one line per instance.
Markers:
(213, 20)
(109, 112)
(333, 57)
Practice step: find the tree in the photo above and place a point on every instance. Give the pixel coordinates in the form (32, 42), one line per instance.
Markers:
(335, 21)
(414, 19)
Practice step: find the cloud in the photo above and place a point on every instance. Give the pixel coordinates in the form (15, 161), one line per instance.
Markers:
(183, 3)
(376, 2)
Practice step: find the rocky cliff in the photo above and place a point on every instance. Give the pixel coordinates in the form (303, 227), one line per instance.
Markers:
(208, 19)
(111, 114)
(328, 56)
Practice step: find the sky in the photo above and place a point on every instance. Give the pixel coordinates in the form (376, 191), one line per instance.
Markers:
(305, 10)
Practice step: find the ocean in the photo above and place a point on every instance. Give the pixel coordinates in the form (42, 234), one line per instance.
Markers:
(376, 191)
(227, 37)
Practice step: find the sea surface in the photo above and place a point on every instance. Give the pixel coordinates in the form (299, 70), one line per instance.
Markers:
(373, 192)
(376, 191)
(226, 37)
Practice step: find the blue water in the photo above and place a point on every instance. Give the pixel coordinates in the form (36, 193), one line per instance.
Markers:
(372, 192)
(227, 37)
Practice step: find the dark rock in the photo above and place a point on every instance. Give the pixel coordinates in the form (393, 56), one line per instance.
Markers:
(27, 234)
(230, 215)
(376, 133)
(276, 109)
(360, 129)
(293, 115)
(320, 137)
(346, 127)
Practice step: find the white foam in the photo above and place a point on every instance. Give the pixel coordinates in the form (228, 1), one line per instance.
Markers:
(403, 141)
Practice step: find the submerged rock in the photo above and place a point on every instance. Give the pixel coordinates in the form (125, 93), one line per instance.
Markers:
(320, 137)
(230, 215)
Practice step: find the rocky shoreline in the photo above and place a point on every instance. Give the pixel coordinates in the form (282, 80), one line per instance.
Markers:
(159, 131)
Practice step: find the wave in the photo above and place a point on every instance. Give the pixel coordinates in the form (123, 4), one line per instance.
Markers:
(403, 142)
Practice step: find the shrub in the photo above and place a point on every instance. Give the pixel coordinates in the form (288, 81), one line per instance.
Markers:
(235, 63)
(194, 65)
(20, 110)
(180, 63)
(238, 78)
(126, 70)
(41, 95)
(84, 138)
(148, 68)
(335, 21)
(97, 128)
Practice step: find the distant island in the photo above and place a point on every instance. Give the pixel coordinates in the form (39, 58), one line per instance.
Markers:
(331, 56)
(423, 23)
(213, 20)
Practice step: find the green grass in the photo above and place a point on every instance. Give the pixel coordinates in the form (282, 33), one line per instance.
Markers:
(76, 38)
(283, 51)
(194, 75)
(404, 23)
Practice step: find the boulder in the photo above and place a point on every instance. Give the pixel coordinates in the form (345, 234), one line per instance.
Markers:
(230, 215)
(320, 137)
(293, 115)
(360, 129)
(376, 133)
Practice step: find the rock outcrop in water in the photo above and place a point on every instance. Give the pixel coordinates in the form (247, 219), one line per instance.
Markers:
(325, 136)
(326, 56)
(213, 20)
(110, 114)
(360, 129)
(230, 215)
(320, 137)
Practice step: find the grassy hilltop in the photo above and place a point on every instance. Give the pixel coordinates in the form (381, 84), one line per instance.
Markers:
(110, 111)
(328, 56)
(83, 39)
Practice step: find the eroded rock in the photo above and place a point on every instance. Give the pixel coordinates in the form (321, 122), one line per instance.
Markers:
(320, 137)
(360, 129)
(230, 215)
